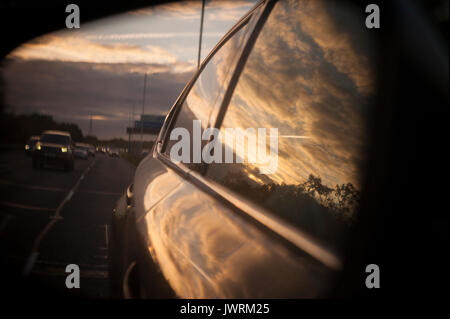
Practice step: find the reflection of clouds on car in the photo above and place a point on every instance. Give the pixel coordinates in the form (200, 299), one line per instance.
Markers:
(320, 68)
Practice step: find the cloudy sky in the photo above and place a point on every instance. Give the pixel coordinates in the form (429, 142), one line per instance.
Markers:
(99, 69)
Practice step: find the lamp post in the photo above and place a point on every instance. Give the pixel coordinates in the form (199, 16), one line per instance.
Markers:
(201, 32)
(142, 116)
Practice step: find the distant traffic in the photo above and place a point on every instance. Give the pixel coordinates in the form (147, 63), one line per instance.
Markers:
(57, 148)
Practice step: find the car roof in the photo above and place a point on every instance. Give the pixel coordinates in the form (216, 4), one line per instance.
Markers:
(56, 133)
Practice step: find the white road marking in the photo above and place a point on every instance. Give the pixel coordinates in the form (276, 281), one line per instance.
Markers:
(84, 273)
(5, 222)
(43, 268)
(69, 196)
(106, 236)
(30, 262)
(53, 219)
(64, 264)
(99, 192)
(29, 207)
(34, 187)
(57, 189)
(101, 256)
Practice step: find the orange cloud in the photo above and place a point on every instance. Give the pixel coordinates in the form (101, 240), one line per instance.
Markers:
(307, 79)
(105, 56)
(187, 10)
(77, 49)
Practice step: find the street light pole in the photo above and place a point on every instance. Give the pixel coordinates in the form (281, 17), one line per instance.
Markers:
(201, 32)
(130, 127)
(142, 116)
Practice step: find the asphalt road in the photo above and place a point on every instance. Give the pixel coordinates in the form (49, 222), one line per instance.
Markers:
(50, 218)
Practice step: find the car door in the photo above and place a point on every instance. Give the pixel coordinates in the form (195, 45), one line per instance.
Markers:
(201, 99)
(232, 229)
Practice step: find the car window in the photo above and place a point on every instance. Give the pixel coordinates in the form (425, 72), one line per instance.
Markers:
(56, 139)
(296, 123)
(204, 99)
(32, 142)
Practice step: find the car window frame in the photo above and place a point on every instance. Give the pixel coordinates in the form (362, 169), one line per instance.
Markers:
(163, 137)
(293, 237)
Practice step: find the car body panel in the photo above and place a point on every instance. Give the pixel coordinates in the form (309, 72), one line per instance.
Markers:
(206, 241)
(81, 153)
(206, 250)
(30, 145)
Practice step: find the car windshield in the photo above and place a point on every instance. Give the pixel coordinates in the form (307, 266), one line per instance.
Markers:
(32, 142)
(56, 139)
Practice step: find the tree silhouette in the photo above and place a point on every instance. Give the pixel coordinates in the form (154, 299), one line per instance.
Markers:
(340, 202)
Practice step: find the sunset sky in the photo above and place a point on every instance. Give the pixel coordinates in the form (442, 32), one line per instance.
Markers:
(99, 69)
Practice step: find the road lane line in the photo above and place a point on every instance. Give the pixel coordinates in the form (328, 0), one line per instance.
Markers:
(30, 263)
(5, 222)
(99, 192)
(46, 268)
(53, 220)
(72, 191)
(69, 196)
(106, 236)
(34, 187)
(64, 264)
(29, 207)
(84, 273)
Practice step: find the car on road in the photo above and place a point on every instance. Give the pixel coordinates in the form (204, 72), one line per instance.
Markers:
(91, 150)
(54, 148)
(280, 159)
(222, 228)
(113, 152)
(81, 151)
(31, 144)
(88, 148)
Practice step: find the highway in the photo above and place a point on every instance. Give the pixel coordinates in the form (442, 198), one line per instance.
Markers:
(50, 218)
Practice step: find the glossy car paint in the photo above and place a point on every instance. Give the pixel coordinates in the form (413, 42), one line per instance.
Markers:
(208, 242)
(207, 250)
